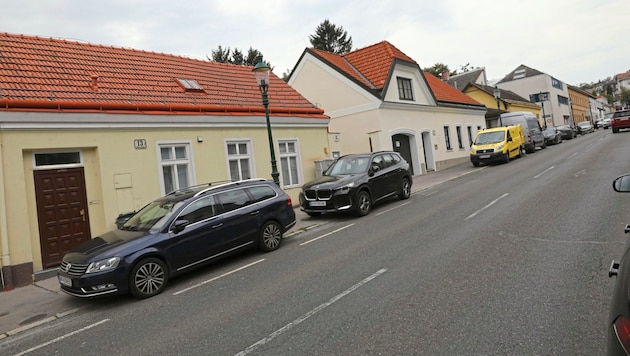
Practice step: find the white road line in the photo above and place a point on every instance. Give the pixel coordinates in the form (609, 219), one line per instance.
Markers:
(573, 155)
(299, 320)
(543, 172)
(217, 277)
(394, 208)
(486, 207)
(324, 235)
(61, 337)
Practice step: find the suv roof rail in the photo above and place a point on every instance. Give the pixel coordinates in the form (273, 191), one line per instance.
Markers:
(228, 183)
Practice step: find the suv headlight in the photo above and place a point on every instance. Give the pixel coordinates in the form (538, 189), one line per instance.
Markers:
(345, 189)
(104, 265)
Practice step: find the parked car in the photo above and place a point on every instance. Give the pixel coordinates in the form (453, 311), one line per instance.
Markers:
(606, 121)
(619, 315)
(584, 127)
(531, 128)
(552, 136)
(355, 182)
(176, 233)
(620, 120)
(567, 132)
(497, 144)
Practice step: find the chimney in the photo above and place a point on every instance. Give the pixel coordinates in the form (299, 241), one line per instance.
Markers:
(445, 76)
(94, 82)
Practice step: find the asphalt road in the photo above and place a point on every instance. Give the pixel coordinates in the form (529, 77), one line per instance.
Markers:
(511, 260)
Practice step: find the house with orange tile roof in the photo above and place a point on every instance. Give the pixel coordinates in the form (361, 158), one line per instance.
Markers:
(378, 98)
(90, 131)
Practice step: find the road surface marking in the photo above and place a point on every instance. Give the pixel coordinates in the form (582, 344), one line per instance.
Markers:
(486, 207)
(324, 235)
(217, 277)
(62, 337)
(543, 172)
(299, 320)
(388, 210)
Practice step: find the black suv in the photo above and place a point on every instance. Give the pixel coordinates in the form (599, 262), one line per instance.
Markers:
(176, 233)
(354, 182)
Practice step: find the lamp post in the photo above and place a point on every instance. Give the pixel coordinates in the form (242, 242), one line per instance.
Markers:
(261, 70)
(497, 96)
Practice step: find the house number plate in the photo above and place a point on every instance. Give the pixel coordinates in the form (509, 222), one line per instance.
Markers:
(140, 144)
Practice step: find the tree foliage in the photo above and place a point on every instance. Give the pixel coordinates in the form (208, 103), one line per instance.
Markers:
(330, 38)
(438, 68)
(236, 56)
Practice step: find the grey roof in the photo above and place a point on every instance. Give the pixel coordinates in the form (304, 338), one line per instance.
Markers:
(459, 81)
(529, 72)
(506, 95)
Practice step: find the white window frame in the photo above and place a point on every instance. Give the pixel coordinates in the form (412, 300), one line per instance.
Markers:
(190, 171)
(249, 156)
(297, 181)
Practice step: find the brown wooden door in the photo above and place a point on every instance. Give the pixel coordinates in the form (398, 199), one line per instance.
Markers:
(61, 212)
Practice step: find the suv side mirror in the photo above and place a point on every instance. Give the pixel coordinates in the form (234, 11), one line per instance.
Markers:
(179, 226)
(622, 184)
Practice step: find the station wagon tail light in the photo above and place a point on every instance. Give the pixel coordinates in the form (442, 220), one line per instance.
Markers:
(622, 330)
(289, 202)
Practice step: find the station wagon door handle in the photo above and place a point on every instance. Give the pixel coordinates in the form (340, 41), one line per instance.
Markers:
(217, 225)
(255, 212)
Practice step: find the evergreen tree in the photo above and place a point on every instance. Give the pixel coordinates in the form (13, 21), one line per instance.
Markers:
(331, 38)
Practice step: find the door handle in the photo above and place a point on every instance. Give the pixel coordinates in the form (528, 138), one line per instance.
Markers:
(255, 212)
(217, 225)
(82, 213)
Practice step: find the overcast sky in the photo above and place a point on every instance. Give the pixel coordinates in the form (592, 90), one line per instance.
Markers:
(576, 41)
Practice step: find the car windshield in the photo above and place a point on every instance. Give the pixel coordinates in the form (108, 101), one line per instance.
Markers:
(152, 217)
(485, 138)
(583, 124)
(348, 165)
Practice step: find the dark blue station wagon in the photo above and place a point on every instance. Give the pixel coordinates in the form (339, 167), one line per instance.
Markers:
(176, 233)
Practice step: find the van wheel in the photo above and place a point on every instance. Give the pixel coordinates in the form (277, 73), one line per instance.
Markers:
(364, 203)
(544, 145)
(507, 157)
(476, 164)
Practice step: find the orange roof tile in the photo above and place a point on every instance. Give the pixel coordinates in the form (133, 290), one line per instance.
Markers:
(52, 74)
(371, 67)
(445, 92)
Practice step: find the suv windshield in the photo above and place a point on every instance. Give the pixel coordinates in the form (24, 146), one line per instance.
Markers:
(485, 138)
(348, 165)
(152, 217)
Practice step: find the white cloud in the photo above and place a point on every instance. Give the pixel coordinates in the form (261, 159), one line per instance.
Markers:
(574, 40)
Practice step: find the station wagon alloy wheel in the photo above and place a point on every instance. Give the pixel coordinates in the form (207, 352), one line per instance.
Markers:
(271, 236)
(405, 189)
(148, 278)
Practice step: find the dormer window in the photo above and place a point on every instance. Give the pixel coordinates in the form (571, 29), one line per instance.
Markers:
(189, 85)
(405, 91)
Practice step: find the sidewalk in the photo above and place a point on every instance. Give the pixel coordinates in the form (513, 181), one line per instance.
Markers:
(26, 307)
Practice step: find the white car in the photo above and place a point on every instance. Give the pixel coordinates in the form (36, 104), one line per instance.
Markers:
(605, 123)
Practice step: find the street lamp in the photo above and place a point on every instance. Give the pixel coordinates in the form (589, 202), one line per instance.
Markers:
(261, 70)
(497, 96)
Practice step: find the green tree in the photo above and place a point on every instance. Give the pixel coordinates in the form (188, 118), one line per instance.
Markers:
(331, 38)
(438, 68)
(236, 56)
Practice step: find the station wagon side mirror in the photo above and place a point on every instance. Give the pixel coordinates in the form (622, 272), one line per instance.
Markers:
(622, 184)
(179, 226)
(375, 168)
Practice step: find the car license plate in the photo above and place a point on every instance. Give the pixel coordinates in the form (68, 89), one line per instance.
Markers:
(317, 203)
(65, 281)
(484, 156)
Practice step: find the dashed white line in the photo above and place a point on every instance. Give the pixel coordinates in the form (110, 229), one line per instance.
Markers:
(394, 208)
(324, 235)
(543, 172)
(217, 277)
(486, 207)
(299, 320)
(61, 337)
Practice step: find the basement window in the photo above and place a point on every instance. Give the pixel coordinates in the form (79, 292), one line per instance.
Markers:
(189, 84)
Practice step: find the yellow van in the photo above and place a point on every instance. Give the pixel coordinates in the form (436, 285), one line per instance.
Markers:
(497, 144)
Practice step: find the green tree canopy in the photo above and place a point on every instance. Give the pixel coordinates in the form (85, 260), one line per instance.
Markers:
(624, 97)
(331, 38)
(438, 68)
(236, 56)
